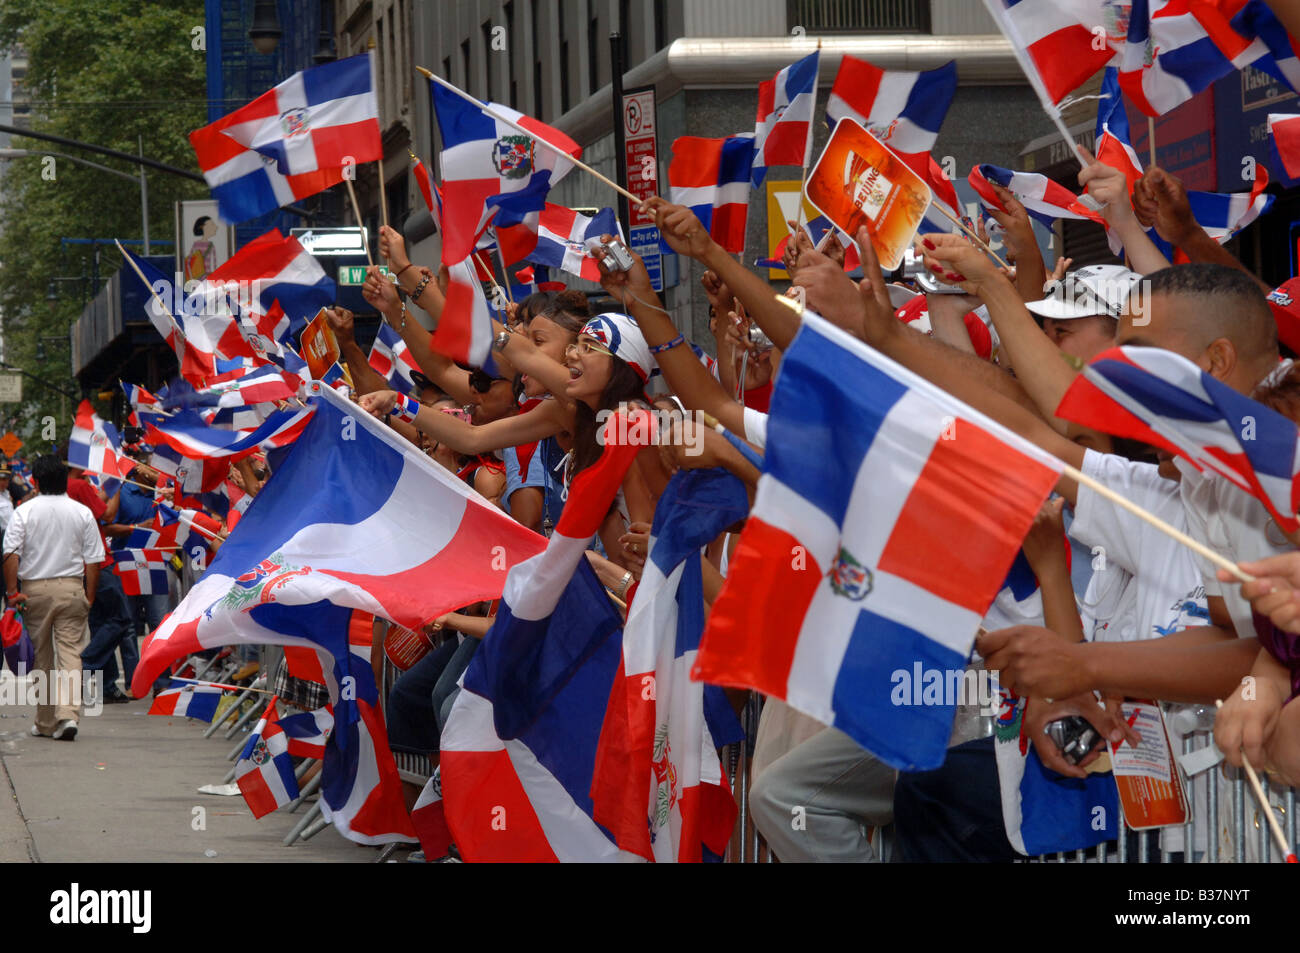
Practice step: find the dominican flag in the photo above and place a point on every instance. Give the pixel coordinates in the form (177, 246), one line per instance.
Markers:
(1042, 198)
(1175, 49)
(264, 385)
(432, 197)
(324, 118)
(1163, 399)
(187, 434)
(391, 359)
(783, 126)
(264, 772)
(659, 786)
(281, 578)
(1058, 36)
(1042, 811)
(162, 302)
(292, 141)
(869, 472)
(562, 235)
(903, 109)
(188, 701)
(464, 332)
(491, 172)
(143, 571)
(139, 399)
(526, 733)
(1223, 214)
(711, 176)
(95, 445)
(271, 270)
(429, 818)
(308, 731)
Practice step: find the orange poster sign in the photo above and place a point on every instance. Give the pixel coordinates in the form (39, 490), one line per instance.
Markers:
(319, 348)
(857, 181)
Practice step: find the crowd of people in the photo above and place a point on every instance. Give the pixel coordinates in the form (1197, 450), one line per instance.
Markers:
(1148, 619)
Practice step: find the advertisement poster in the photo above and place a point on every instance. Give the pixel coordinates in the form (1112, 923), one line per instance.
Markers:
(857, 181)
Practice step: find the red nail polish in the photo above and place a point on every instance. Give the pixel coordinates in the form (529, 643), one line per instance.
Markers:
(927, 243)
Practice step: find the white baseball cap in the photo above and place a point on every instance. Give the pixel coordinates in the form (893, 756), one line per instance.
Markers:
(1084, 292)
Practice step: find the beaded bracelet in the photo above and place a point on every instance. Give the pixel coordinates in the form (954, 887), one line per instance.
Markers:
(405, 409)
(419, 289)
(660, 348)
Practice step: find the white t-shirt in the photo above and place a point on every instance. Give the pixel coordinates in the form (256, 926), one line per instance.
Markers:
(755, 427)
(1144, 584)
(54, 537)
(1235, 524)
(6, 509)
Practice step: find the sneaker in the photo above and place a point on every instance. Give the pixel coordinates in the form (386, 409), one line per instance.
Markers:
(37, 733)
(116, 698)
(67, 731)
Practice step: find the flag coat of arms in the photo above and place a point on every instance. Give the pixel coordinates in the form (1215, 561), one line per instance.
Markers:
(886, 519)
(903, 109)
(711, 176)
(264, 772)
(491, 172)
(783, 126)
(1161, 398)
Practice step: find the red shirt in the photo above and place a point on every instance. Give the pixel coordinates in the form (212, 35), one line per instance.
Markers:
(84, 493)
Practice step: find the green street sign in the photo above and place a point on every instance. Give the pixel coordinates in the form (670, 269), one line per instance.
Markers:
(356, 274)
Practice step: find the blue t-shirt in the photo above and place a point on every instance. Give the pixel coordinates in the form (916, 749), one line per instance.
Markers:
(136, 505)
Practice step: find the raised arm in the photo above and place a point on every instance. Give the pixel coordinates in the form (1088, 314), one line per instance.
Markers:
(544, 420)
(1108, 186)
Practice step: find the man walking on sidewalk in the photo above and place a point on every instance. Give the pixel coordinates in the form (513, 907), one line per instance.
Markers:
(52, 551)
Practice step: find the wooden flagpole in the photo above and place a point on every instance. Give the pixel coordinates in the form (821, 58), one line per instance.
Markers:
(1273, 825)
(1151, 139)
(144, 281)
(110, 476)
(972, 235)
(356, 210)
(487, 110)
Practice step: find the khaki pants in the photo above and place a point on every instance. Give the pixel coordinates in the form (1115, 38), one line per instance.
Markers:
(55, 615)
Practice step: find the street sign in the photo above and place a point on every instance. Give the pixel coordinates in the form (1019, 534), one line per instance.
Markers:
(11, 389)
(332, 241)
(642, 163)
(356, 274)
(10, 444)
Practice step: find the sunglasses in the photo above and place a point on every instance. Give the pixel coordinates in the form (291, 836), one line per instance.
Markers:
(587, 347)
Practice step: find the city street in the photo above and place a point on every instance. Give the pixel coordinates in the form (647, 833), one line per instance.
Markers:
(126, 791)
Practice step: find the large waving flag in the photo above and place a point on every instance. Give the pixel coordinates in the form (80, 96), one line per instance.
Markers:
(844, 575)
(903, 109)
(1161, 398)
(361, 791)
(659, 786)
(391, 359)
(491, 172)
(712, 177)
(783, 126)
(264, 771)
(1253, 19)
(322, 118)
(562, 235)
(1042, 198)
(1223, 214)
(286, 573)
(95, 445)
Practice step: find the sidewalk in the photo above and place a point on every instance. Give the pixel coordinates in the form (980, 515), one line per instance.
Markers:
(126, 791)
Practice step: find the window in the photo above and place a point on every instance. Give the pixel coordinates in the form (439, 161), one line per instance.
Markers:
(486, 30)
(593, 48)
(464, 65)
(661, 24)
(513, 89)
(878, 16)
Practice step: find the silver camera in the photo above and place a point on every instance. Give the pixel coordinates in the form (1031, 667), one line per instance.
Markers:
(614, 256)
